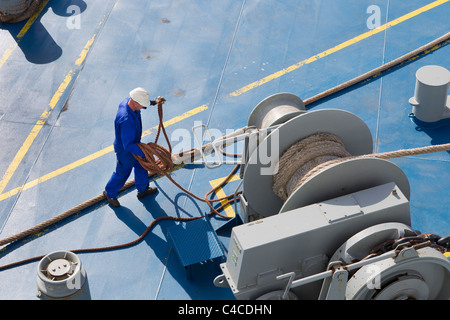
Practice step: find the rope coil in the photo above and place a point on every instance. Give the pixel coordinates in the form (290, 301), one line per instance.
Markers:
(302, 157)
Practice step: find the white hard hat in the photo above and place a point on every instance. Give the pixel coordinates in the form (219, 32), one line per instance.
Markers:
(141, 96)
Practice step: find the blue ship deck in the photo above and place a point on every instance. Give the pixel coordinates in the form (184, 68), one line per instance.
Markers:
(62, 77)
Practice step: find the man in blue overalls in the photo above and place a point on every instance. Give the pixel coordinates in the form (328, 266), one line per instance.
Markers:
(128, 131)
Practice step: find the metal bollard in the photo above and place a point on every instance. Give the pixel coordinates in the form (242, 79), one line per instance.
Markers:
(430, 102)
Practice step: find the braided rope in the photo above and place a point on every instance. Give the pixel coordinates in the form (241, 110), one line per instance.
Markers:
(382, 155)
(301, 157)
(316, 169)
(313, 154)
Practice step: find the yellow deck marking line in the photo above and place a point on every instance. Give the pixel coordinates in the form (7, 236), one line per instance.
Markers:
(336, 48)
(43, 118)
(220, 193)
(94, 156)
(8, 53)
(22, 32)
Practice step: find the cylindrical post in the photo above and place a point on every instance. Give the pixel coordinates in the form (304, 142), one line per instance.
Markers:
(430, 102)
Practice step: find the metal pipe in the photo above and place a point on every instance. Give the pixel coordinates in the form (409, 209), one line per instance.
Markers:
(329, 273)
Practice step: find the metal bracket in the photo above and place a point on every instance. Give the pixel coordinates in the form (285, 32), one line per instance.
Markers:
(291, 276)
(337, 285)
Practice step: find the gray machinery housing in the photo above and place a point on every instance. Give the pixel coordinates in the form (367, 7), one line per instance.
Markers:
(318, 243)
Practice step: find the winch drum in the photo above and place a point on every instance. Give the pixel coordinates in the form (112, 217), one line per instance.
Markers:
(257, 187)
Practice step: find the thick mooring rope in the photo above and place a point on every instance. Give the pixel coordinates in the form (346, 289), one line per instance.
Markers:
(130, 183)
(382, 155)
(302, 157)
(159, 161)
(311, 155)
(143, 235)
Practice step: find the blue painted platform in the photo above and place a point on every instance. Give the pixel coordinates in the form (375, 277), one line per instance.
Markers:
(196, 242)
(213, 61)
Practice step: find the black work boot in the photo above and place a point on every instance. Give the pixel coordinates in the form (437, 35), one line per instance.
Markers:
(113, 202)
(148, 191)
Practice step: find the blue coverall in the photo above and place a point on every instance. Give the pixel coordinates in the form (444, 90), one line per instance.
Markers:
(128, 131)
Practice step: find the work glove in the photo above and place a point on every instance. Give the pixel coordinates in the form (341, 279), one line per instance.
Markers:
(160, 99)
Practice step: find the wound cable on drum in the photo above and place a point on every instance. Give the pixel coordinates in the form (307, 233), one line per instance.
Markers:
(302, 157)
(311, 155)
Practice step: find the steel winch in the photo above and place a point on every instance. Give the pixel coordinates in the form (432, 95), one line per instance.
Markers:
(320, 242)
